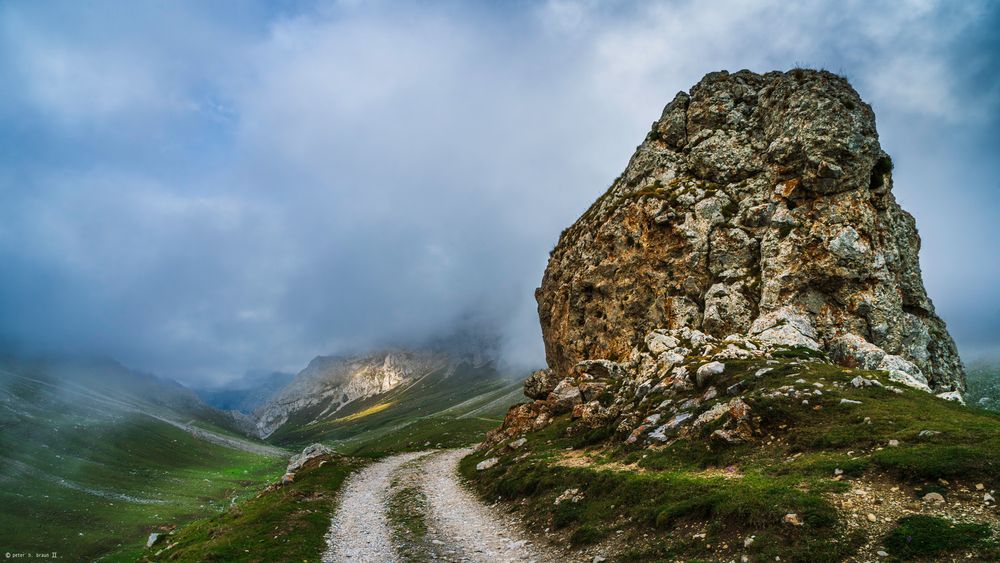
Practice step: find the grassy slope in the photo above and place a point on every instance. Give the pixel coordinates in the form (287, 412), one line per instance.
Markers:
(281, 523)
(984, 384)
(85, 479)
(661, 497)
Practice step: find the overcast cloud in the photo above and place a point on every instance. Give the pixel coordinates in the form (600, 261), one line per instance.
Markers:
(202, 188)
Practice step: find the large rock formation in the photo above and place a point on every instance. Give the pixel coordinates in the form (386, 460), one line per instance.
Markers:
(758, 205)
(330, 383)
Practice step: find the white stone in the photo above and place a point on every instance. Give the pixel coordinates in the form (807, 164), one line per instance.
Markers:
(487, 463)
(707, 371)
(784, 327)
(658, 342)
(952, 396)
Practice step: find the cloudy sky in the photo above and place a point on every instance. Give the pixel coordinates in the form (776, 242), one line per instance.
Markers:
(201, 188)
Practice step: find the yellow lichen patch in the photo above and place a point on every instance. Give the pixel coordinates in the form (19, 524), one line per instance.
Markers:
(725, 473)
(379, 407)
(583, 459)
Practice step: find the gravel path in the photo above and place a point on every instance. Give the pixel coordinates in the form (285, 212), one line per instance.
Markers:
(460, 528)
(359, 531)
(468, 529)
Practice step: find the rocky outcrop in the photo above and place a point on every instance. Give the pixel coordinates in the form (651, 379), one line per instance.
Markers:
(309, 453)
(758, 205)
(329, 383)
(683, 384)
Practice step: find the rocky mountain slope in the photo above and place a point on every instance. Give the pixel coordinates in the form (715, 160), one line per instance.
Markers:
(335, 397)
(761, 205)
(743, 362)
(329, 383)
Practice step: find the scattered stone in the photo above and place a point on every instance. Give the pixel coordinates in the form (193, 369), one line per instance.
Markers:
(658, 342)
(871, 518)
(952, 396)
(793, 519)
(662, 434)
(849, 402)
(893, 443)
(980, 486)
(936, 498)
(540, 383)
(309, 452)
(153, 538)
(988, 498)
(708, 371)
(517, 443)
(564, 397)
(881, 553)
(902, 371)
(927, 433)
(569, 495)
(711, 415)
(487, 464)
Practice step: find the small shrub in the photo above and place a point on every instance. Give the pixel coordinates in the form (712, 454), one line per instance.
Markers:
(586, 534)
(924, 536)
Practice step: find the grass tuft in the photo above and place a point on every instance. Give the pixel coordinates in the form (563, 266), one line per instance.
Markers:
(926, 536)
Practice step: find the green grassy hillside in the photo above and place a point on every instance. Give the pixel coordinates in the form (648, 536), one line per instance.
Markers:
(285, 523)
(854, 474)
(448, 410)
(90, 465)
(983, 388)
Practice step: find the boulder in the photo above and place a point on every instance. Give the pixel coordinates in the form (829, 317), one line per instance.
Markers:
(309, 452)
(902, 371)
(850, 350)
(658, 342)
(758, 204)
(564, 397)
(785, 328)
(540, 383)
(487, 464)
(952, 396)
(708, 371)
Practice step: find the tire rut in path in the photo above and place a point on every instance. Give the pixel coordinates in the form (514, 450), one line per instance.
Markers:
(459, 527)
(359, 531)
(468, 529)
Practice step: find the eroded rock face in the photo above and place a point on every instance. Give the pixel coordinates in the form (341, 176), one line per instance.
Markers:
(330, 383)
(760, 205)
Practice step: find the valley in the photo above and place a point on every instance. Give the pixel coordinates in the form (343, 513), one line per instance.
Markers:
(98, 457)
(91, 466)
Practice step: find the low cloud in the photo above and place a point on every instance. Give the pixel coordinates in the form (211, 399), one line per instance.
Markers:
(200, 194)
